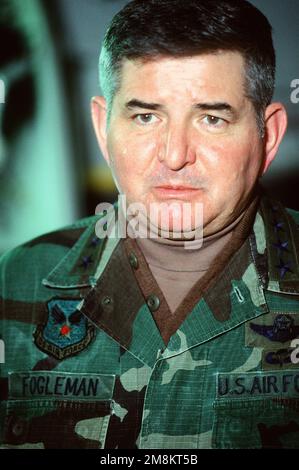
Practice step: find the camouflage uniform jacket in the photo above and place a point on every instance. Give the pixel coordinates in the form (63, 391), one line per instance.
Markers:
(86, 367)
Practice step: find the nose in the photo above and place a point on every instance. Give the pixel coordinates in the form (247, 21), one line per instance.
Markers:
(176, 150)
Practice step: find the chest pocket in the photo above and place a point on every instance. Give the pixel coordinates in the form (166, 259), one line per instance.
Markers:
(57, 410)
(257, 410)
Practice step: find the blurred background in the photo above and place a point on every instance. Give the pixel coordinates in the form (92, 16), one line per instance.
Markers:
(51, 170)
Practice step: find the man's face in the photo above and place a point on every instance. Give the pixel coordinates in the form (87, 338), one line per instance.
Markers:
(182, 130)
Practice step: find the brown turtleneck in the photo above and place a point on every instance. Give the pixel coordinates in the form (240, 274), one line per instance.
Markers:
(177, 266)
(180, 277)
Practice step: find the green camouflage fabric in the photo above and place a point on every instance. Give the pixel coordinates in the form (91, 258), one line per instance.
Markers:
(86, 367)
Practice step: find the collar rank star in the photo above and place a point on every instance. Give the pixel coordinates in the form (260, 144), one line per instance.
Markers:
(66, 332)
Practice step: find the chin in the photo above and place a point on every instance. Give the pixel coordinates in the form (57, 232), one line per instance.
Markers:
(178, 228)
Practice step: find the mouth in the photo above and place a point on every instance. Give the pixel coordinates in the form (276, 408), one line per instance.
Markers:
(175, 191)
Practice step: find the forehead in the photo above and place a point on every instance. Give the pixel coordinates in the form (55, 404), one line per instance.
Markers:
(222, 71)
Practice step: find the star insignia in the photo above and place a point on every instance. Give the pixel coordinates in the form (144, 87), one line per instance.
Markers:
(86, 261)
(281, 246)
(278, 226)
(94, 242)
(284, 268)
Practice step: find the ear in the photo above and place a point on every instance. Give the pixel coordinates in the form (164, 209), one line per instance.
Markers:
(276, 122)
(99, 119)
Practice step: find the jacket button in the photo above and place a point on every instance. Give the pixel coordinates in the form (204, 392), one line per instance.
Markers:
(133, 260)
(18, 428)
(153, 303)
(106, 301)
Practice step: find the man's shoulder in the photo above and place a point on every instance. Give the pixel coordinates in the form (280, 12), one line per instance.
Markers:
(42, 253)
(64, 236)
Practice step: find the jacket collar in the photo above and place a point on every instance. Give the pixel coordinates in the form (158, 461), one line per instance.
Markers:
(274, 246)
(84, 262)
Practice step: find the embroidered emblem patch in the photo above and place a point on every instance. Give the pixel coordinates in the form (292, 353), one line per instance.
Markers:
(282, 330)
(66, 332)
(281, 357)
(273, 331)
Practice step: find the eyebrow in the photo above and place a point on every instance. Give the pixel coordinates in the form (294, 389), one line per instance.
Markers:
(221, 106)
(214, 106)
(142, 104)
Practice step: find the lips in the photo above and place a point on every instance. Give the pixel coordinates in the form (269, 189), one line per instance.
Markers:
(177, 188)
(175, 191)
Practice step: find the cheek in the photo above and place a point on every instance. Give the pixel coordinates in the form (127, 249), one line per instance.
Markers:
(212, 155)
(131, 163)
(230, 160)
(129, 153)
(222, 162)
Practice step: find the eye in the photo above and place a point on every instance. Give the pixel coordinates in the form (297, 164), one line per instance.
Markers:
(214, 121)
(145, 119)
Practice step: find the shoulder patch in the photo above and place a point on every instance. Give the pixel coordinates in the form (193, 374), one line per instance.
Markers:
(67, 331)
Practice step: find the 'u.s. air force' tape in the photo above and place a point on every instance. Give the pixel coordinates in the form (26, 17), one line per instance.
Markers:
(60, 385)
(258, 383)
